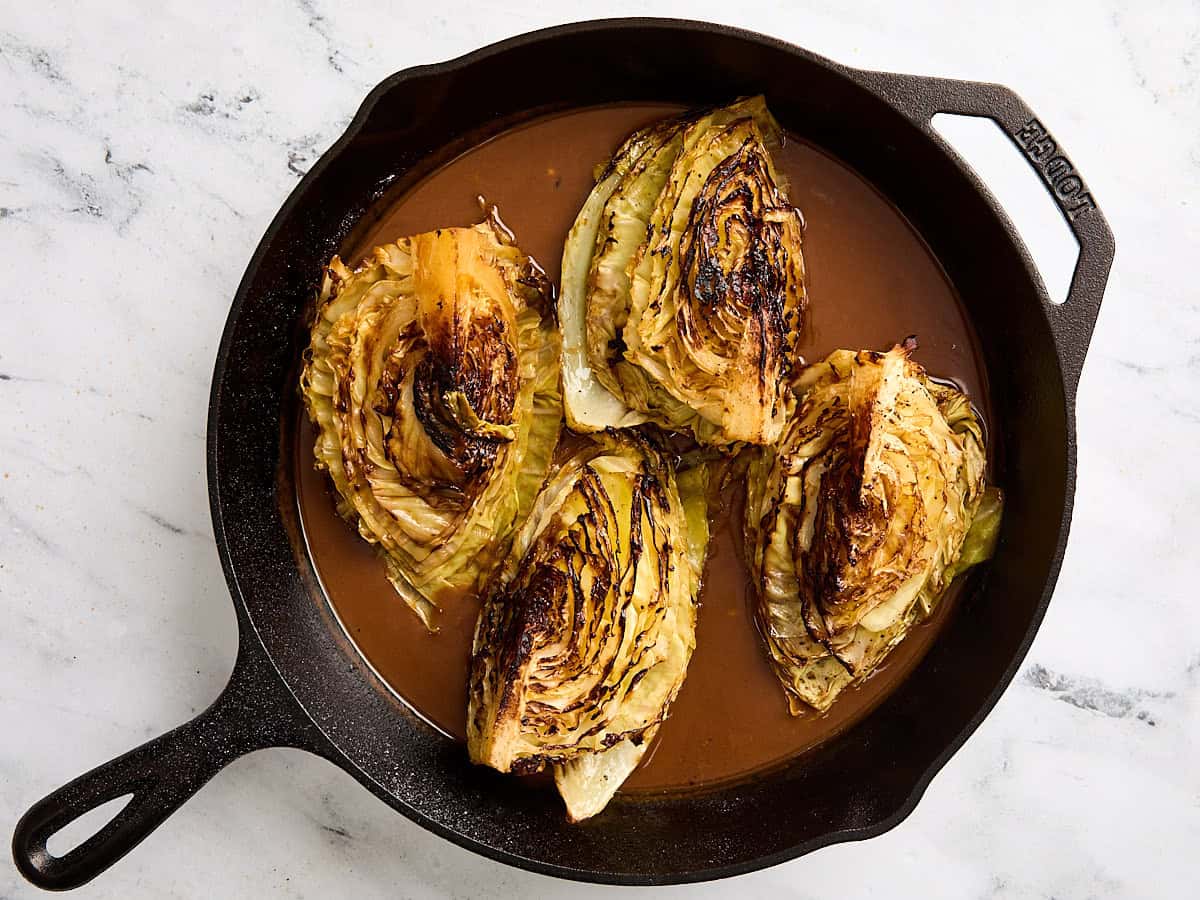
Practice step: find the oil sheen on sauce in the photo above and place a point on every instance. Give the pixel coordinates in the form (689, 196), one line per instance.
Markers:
(871, 282)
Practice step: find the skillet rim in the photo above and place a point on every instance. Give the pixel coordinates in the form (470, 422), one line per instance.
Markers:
(253, 633)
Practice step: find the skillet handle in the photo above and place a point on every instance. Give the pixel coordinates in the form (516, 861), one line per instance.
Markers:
(254, 711)
(921, 98)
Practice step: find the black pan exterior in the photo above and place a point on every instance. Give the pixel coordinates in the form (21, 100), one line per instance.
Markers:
(859, 784)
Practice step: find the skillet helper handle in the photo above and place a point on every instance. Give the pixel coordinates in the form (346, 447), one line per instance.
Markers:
(1073, 321)
(254, 711)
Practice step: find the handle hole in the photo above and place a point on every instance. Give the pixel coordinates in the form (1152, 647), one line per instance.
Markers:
(79, 830)
(1022, 194)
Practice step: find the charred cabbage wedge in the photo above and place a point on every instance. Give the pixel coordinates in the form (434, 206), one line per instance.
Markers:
(432, 377)
(585, 638)
(683, 283)
(873, 501)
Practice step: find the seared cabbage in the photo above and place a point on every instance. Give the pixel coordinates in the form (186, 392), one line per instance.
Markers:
(432, 377)
(858, 520)
(683, 284)
(585, 638)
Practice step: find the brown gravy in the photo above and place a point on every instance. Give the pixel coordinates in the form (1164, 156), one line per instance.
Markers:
(871, 282)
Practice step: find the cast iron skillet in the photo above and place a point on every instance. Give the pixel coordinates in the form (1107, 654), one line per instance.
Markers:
(298, 682)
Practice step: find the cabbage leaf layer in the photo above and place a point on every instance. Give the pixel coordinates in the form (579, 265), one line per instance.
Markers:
(585, 638)
(858, 520)
(683, 283)
(432, 377)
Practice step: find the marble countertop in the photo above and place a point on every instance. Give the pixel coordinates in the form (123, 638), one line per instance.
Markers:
(144, 147)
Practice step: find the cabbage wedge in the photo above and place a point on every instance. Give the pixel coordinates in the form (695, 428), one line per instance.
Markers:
(585, 638)
(683, 292)
(432, 378)
(873, 501)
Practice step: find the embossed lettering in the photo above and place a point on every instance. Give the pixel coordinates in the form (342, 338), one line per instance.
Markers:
(1057, 166)
(1057, 170)
(1069, 187)
(1030, 131)
(1085, 203)
(1042, 148)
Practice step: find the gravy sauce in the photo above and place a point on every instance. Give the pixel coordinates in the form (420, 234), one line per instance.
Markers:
(871, 282)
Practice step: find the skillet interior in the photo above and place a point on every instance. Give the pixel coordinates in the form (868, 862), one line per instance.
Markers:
(858, 784)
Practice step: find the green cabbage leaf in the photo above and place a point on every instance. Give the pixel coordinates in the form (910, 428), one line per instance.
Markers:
(873, 501)
(683, 293)
(585, 638)
(432, 379)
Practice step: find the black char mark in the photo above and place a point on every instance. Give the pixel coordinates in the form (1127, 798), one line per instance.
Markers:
(735, 258)
(479, 361)
(570, 592)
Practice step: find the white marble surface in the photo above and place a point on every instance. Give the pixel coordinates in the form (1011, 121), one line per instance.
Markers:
(143, 149)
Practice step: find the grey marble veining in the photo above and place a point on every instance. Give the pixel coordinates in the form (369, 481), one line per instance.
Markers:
(144, 148)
